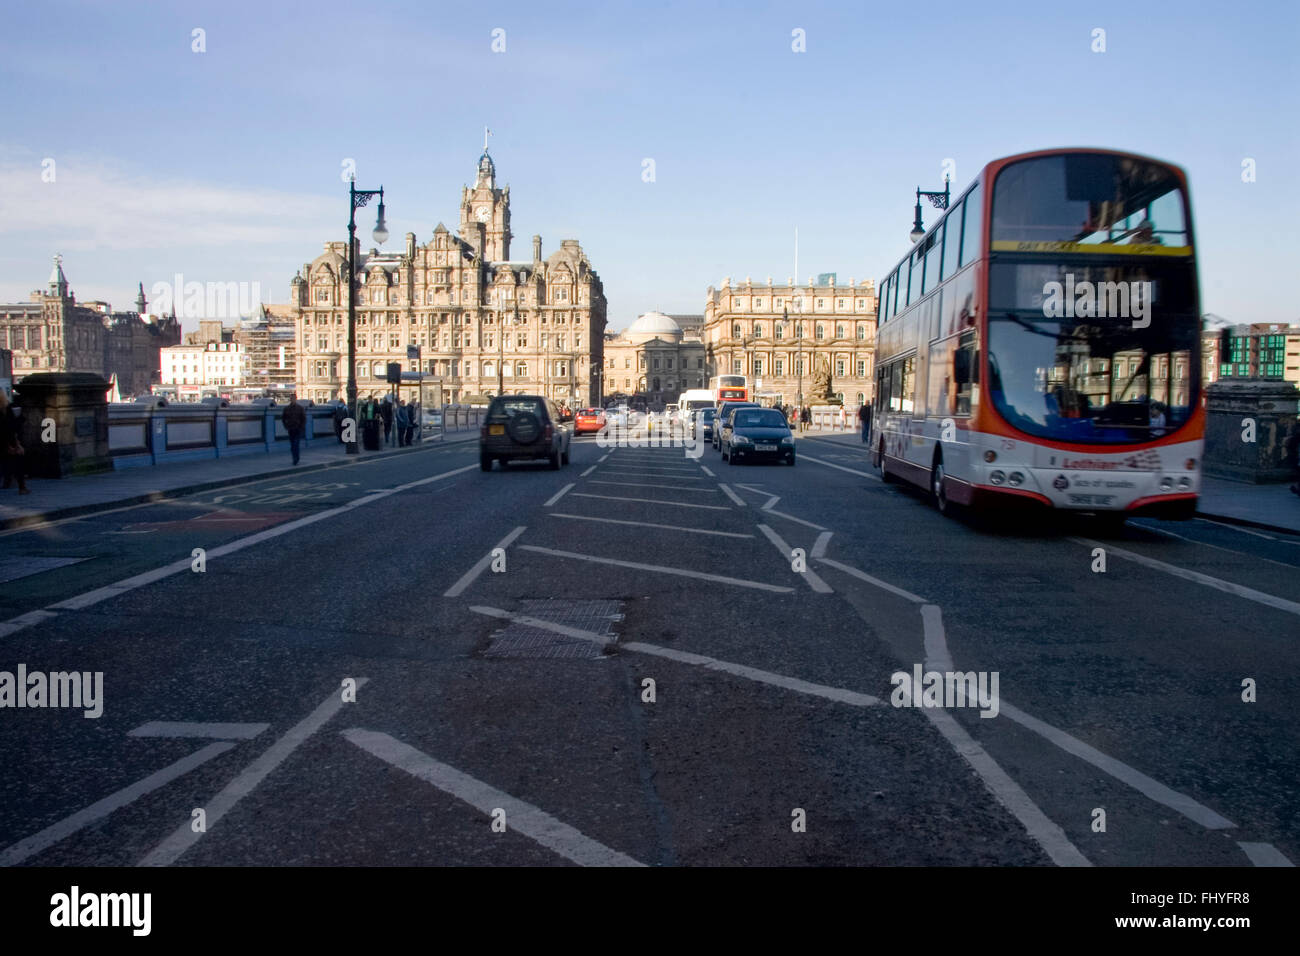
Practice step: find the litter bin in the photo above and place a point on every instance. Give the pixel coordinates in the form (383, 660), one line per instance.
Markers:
(370, 434)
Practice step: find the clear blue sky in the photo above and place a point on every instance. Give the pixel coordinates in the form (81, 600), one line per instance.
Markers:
(225, 165)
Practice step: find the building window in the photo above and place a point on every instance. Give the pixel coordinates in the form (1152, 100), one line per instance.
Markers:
(737, 367)
(758, 366)
(839, 367)
(862, 368)
(758, 330)
(699, 363)
(322, 296)
(656, 364)
(821, 303)
(839, 331)
(521, 370)
(821, 332)
(862, 332)
(798, 366)
(779, 366)
(735, 330)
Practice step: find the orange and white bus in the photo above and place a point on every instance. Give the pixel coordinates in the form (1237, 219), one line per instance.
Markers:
(730, 388)
(1041, 342)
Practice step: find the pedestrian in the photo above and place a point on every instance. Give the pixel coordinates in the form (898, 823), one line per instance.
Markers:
(295, 420)
(805, 418)
(403, 420)
(340, 413)
(413, 412)
(864, 419)
(386, 413)
(13, 456)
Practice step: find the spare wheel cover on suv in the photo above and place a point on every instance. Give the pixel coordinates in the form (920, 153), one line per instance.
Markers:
(524, 427)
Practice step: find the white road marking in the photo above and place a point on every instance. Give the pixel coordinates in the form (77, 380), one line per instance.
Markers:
(168, 728)
(1206, 544)
(83, 601)
(819, 546)
(651, 474)
(481, 564)
(851, 471)
(170, 850)
(24, 620)
(521, 817)
(806, 524)
(770, 502)
(651, 524)
(1264, 854)
(646, 484)
(704, 468)
(1006, 791)
(587, 472)
(754, 488)
(1234, 527)
(810, 576)
(30, 846)
(603, 457)
(937, 657)
(653, 501)
(1250, 594)
(740, 502)
(679, 572)
(558, 495)
(863, 576)
(837, 694)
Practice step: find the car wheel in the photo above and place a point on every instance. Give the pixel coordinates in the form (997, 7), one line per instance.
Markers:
(484, 462)
(564, 458)
(555, 460)
(791, 459)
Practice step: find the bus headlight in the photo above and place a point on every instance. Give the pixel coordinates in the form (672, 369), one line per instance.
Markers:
(1166, 483)
(1016, 479)
(1184, 483)
(996, 477)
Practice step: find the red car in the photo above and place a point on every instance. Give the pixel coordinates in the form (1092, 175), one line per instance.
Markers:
(588, 420)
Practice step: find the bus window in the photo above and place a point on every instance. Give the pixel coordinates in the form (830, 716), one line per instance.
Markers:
(965, 373)
(908, 366)
(934, 260)
(952, 242)
(970, 243)
(939, 371)
(896, 387)
(918, 271)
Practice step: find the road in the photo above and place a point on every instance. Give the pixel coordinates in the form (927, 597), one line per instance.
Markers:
(647, 671)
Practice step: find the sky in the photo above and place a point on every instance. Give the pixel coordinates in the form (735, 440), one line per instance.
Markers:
(138, 157)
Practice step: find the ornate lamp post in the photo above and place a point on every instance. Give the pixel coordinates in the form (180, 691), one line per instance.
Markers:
(937, 199)
(358, 198)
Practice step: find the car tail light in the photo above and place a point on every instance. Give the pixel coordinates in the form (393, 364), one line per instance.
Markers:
(482, 432)
(550, 430)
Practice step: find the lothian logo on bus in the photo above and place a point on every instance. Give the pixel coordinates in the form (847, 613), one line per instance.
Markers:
(1099, 300)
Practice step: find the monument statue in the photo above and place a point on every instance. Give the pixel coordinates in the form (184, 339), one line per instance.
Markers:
(821, 388)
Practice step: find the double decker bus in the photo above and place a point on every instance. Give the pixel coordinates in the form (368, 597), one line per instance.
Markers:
(1040, 344)
(730, 388)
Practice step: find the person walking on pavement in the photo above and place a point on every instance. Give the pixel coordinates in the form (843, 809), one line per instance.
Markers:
(403, 421)
(413, 422)
(13, 456)
(295, 420)
(386, 413)
(805, 418)
(864, 419)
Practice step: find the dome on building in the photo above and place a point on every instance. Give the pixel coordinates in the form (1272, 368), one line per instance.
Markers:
(654, 325)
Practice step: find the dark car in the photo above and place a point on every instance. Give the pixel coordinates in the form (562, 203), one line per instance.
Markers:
(704, 417)
(758, 434)
(523, 428)
(720, 420)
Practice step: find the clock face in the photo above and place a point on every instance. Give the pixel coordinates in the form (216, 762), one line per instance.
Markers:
(483, 213)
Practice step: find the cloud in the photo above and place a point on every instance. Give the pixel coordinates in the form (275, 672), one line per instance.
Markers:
(93, 205)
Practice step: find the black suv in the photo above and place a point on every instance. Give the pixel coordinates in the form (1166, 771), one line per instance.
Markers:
(523, 428)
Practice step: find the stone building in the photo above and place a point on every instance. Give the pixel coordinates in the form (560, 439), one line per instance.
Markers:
(653, 361)
(53, 332)
(779, 336)
(485, 323)
(270, 343)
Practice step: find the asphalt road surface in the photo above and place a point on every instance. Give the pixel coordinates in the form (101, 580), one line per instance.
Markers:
(644, 657)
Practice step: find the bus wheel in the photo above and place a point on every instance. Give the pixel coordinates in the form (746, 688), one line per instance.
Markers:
(885, 476)
(937, 475)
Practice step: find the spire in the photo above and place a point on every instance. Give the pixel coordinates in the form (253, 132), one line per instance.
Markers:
(58, 281)
(140, 301)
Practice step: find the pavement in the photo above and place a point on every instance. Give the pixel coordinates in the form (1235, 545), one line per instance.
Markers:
(56, 498)
(642, 657)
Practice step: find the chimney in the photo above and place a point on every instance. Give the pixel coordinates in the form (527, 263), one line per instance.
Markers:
(410, 246)
(537, 248)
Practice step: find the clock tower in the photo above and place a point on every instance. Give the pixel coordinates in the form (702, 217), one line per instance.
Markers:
(485, 213)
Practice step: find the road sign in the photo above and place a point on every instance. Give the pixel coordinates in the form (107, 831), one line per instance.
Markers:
(394, 373)
(413, 354)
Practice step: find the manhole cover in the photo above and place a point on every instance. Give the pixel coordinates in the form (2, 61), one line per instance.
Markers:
(525, 640)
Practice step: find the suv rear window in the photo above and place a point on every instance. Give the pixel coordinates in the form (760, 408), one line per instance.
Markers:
(513, 406)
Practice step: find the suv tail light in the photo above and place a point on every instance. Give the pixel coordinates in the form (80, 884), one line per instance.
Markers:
(482, 432)
(550, 430)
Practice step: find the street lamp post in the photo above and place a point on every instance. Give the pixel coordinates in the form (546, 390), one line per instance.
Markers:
(937, 199)
(358, 198)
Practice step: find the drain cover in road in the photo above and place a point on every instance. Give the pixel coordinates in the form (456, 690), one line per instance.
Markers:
(17, 566)
(523, 640)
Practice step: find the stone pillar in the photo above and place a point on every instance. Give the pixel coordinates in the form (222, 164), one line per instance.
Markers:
(1231, 406)
(77, 405)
